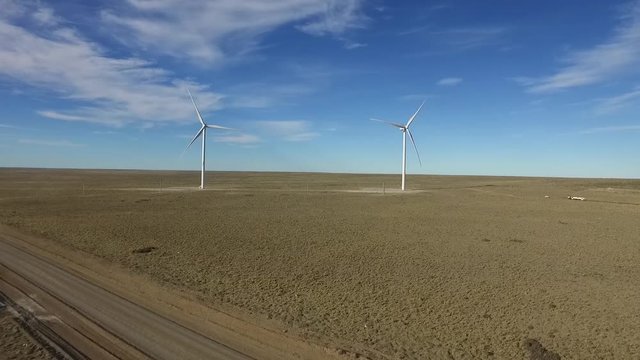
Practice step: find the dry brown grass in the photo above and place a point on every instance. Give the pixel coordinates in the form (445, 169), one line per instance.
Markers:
(470, 267)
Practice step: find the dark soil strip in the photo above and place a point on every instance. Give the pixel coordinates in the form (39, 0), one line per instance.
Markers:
(538, 352)
(613, 202)
(144, 250)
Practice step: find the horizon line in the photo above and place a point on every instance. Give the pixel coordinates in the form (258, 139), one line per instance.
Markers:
(314, 172)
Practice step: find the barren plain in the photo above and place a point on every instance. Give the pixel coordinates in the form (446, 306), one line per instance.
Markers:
(461, 267)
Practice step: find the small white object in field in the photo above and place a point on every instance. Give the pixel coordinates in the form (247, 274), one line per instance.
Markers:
(575, 198)
(547, 196)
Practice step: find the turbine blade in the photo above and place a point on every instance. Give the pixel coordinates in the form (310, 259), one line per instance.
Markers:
(414, 146)
(415, 114)
(388, 123)
(196, 107)
(218, 127)
(194, 139)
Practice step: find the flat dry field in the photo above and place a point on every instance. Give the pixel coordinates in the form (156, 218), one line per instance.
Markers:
(468, 267)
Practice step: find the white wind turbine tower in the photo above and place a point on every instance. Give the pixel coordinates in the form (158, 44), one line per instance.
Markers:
(203, 132)
(405, 130)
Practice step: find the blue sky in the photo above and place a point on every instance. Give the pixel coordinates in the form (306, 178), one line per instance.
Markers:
(542, 88)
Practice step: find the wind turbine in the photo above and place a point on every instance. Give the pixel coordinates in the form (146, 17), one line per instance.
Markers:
(405, 130)
(203, 132)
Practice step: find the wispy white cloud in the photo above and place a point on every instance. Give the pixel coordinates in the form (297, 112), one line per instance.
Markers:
(451, 81)
(414, 30)
(609, 129)
(241, 139)
(354, 45)
(38, 47)
(289, 130)
(214, 31)
(615, 103)
(619, 54)
(55, 143)
(438, 7)
(416, 97)
(265, 94)
(60, 116)
(466, 38)
(308, 136)
(338, 17)
(12, 8)
(116, 91)
(46, 16)
(301, 80)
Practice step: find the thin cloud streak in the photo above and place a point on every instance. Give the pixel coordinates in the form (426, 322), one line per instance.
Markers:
(263, 94)
(466, 38)
(60, 116)
(241, 139)
(612, 129)
(461, 38)
(616, 56)
(55, 143)
(354, 45)
(288, 130)
(417, 97)
(615, 103)
(452, 81)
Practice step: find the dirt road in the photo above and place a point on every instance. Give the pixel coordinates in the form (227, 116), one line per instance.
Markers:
(91, 321)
